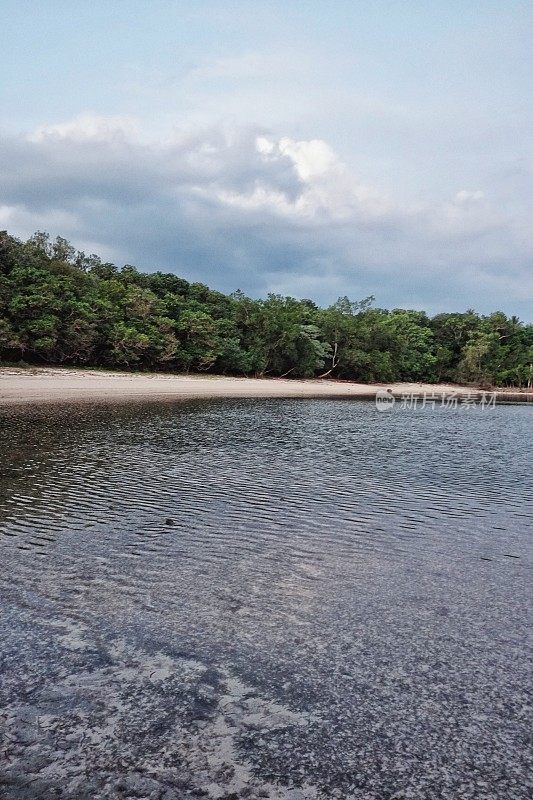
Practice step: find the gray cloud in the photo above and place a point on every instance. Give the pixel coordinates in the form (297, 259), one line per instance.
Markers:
(240, 208)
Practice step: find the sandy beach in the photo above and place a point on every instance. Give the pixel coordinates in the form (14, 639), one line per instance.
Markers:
(36, 386)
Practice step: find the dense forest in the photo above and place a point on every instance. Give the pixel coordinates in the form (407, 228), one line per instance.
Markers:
(60, 306)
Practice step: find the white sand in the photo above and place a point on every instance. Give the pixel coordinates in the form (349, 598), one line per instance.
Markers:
(53, 385)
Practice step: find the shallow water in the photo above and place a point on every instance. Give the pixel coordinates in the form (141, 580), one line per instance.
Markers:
(265, 598)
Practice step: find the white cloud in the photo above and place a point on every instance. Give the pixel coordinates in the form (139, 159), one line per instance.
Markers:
(465, 196)
(241, 207)
(89, 127)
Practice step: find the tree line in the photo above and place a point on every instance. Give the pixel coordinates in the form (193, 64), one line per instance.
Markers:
(61, 306)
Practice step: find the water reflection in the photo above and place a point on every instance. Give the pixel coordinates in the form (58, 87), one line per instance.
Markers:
(351, 585)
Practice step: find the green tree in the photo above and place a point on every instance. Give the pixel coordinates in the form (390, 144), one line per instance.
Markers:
(62, 306)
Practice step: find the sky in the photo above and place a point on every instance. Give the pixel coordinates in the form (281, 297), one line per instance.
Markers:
(315, 149)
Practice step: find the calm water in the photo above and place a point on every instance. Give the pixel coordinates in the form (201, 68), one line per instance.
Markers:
(265, 598)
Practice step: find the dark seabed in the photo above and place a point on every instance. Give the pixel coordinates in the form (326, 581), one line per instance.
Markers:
(265, 598)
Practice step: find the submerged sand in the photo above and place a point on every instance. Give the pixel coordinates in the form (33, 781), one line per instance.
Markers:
(56, 385)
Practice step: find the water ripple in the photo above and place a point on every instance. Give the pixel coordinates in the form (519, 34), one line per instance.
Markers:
(338, 559)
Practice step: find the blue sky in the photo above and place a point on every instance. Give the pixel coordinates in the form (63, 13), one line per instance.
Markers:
(308, 148)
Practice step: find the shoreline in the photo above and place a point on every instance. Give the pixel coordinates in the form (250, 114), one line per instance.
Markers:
(63, 385)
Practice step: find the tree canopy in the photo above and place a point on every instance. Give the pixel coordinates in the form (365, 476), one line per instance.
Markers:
(58, 305)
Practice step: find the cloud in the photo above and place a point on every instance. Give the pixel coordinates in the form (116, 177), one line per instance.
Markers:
(240, 207)
(88, 127)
